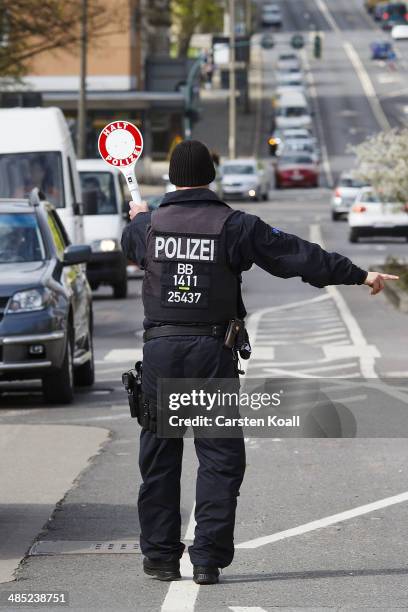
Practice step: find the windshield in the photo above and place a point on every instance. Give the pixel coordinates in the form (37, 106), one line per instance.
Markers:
(238, 169)
(98, 193)
(348, 181)
(21, 172)
(291, 111)
(20, 238)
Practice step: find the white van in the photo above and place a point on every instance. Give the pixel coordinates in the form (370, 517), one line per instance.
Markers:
(36, 150)
(105, 208)
(292, 110)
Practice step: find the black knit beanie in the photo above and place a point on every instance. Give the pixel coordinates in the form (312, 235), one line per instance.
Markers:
(191, 165)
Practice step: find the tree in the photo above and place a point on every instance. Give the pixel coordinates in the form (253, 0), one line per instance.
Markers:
(191, 15)
(29, 27)
(382, 161)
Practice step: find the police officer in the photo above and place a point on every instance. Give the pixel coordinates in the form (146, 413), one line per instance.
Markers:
(193, 233)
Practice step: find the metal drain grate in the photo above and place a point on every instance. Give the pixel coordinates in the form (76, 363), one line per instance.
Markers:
(84, 547)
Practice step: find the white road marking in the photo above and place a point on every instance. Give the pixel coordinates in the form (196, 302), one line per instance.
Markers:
(325, 522)
(189, 535)
(386, 77)
(182, 594)
(368, 353)
(359, 68)
(367, 86)
(328, 368)
(123, 355)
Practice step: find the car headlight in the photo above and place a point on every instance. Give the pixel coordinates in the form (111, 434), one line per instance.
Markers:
(105, 245)
(28, 301)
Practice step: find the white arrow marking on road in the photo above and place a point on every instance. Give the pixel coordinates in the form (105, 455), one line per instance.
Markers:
(325, 522)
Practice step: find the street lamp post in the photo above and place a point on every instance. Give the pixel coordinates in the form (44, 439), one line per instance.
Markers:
(232, 84)
(81, 123)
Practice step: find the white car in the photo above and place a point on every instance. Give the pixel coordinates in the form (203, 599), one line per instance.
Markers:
(371, 215)
(288, 62)
(301, 135)
(271, 15)
(344, 195)
(290, 79)
(245, 178)
(298, 145)
(400, 32)
(292, 111)
(105, 212)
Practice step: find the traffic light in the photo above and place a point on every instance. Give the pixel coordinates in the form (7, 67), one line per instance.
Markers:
(297, 41)
(267, 41)
(317, 46)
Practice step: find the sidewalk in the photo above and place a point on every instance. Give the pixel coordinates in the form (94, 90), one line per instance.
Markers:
(39, 463)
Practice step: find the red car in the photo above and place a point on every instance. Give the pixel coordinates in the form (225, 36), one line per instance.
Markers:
(296, 170)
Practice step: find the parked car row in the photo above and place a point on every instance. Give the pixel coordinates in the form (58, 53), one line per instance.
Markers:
(60, 227)
(292, 142)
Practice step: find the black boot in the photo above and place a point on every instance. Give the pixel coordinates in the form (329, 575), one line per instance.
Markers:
(205, 574)
(162, 570)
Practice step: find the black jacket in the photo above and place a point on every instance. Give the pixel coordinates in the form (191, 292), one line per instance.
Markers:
(252, 241)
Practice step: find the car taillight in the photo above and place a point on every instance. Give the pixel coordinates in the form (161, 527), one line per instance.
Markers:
(406, 208)
(406, 16)
(358, 208)
(337, 193)
(386, 16)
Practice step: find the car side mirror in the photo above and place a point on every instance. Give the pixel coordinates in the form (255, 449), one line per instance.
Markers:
(76, 254)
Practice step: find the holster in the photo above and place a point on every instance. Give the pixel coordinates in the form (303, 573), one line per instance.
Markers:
(237, 338)
(141, 408)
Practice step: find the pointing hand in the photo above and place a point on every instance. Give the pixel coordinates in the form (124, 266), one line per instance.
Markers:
(375, 280)
(136, 208)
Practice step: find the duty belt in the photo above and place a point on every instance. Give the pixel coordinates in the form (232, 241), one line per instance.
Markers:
(162, 331)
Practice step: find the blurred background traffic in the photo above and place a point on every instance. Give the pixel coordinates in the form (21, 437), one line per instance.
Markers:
(298, 94)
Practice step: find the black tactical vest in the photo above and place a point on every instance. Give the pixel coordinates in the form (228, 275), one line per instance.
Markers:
(187, 278)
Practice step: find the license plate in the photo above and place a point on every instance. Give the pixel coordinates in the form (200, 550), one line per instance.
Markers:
(297, 177)
(383, 224)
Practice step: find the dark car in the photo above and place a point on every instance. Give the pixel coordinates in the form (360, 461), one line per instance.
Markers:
(381, 50)
(45, 301)
(394, 13)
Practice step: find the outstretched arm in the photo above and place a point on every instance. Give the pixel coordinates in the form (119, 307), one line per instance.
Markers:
(286, 255)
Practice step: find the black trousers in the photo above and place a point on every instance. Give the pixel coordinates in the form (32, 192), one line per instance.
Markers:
(221, 461)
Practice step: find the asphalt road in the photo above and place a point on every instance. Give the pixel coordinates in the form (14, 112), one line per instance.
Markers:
(321, 523)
